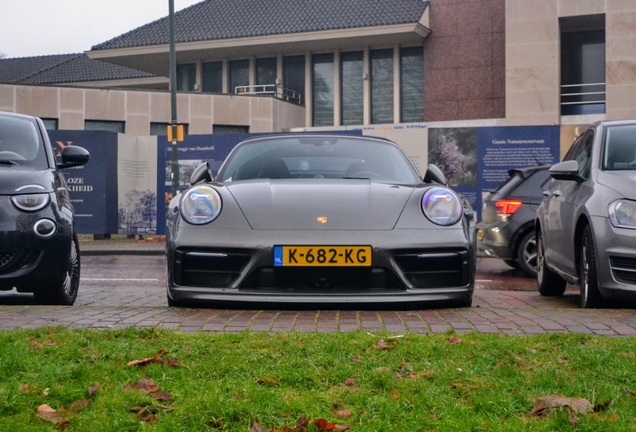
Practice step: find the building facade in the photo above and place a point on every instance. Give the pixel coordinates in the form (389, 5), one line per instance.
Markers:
(253, 66)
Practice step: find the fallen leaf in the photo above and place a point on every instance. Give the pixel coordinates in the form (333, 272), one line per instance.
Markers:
(25, 388)
(395, 395)
(356, 357)
(80, 404)
(382, 344)
(145, 415)
(163, 396)
(59, 417)
(350, 382)
(544, 405)
(144, 385)
(257, 428)
(415, 375)
(613, 418)
(572, 418)
(94, 388)
(525, 367)
(39, 345)
(263, 380)
(454, 340)
(149, 360)
(561, 361)
(345, 413)
(498, 365)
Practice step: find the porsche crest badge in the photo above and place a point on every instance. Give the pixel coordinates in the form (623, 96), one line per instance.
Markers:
(322, 219)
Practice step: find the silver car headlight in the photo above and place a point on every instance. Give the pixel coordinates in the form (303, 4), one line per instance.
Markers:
(442, 206)
(31, 202)
(200, 205)
(622, 213)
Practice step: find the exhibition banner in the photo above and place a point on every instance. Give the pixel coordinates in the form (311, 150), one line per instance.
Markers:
(92, 187)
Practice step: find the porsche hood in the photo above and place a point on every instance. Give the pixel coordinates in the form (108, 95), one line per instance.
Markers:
(333, 205)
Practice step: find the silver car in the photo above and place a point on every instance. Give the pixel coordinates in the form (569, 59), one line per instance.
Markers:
(586, 224)
(319, 219)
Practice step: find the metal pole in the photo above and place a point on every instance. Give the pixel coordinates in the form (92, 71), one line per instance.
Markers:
(173, 103)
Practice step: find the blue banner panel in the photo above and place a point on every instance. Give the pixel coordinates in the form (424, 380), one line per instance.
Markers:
(92, 187)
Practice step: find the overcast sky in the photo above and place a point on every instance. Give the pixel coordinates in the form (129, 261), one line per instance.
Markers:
(41, 27)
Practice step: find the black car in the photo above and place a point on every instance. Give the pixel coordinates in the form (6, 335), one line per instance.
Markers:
(506, 230)
(39, 251)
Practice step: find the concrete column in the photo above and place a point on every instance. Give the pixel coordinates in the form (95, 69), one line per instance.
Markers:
(308, 90)
(397, 96)
(225, 86)
(337, 89)
(366, 86)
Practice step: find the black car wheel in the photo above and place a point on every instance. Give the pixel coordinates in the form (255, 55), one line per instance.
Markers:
(590, 295)
(527, 254)
(63, 292)
(548, 282)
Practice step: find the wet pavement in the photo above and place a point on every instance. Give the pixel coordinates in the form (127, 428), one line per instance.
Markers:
(123, 284)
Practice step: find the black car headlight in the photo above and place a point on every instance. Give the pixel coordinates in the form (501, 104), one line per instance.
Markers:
(442, 206)
(31, 202)
(622, 214)
(200, 205)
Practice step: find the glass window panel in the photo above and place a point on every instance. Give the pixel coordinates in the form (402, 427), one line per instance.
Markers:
(50, 124)
(186, 77)
(161, 129)
(266, 71)
(213, 77)
(352, 88)
(239, 74)
(294, 76)
(229, 129)
(323, 92)
(99, 125)
(412, 85)
(382, 86)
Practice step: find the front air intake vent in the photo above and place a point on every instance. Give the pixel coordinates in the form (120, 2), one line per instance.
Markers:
(205, 268)
(434, 269)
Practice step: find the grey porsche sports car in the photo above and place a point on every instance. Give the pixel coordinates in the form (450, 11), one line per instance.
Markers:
(321, 219)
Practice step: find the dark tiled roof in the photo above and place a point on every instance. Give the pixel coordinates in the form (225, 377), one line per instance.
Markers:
(63, 68)
(223, 19)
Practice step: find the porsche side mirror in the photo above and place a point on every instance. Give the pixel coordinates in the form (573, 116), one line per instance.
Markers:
(434, 174)
(567, 170)
(201, 173)
(73, 156)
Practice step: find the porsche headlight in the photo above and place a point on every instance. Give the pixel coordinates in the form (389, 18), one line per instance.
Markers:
(441, 206)
(201, 205)
(31, 202)
(622, 213)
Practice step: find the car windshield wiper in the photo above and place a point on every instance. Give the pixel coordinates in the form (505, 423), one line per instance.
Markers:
(8, 162)
(357, 178)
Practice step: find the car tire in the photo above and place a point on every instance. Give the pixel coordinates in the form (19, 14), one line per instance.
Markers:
(588, 281)
(527, 254)
(548, 282)
(64, 291)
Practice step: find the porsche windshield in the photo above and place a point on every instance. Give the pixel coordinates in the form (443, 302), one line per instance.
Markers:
(620, 148)
(319, 157)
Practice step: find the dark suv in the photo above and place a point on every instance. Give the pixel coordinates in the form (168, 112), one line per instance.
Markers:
(506, 230)
(39, 251)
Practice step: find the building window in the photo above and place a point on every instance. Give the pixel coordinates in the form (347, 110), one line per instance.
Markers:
(50, 124)
(583, 65)
(323, 91)
(161, 129)
(382, 86)
(100, 125)
(412, 85)
(213, 77)
(294, 77)
(352, 68)
(239, 75)
(229, 129)
(266, 71)
(186, 77)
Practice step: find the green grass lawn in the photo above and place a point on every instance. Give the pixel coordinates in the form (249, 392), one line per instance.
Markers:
(83, 380)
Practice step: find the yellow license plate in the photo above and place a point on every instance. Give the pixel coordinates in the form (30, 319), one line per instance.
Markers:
(480, 234)
(326, 256)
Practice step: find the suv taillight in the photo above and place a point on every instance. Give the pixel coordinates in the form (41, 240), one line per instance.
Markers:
(506, 208)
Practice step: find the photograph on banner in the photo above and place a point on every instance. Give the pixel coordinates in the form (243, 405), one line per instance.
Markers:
(137, 185)
(454, 151)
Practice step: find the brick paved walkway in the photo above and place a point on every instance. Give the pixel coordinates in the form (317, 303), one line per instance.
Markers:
(502, 305)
